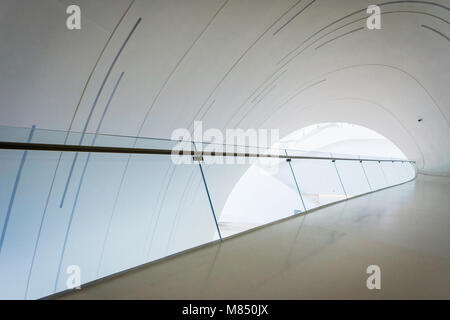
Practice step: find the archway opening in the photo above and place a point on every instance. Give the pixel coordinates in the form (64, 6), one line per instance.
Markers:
(341, 138)
(262, 195)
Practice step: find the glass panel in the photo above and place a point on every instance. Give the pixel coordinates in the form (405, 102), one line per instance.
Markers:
(246, 195)
(216, 147)
(390, 172)
(409, 171)
(353, 177)
(25, 179)
(301, 153)
(14, 134)
(318, 182)
(120, 211)
(104, 213)
(400, 171)
(344, 155)
(375, 175)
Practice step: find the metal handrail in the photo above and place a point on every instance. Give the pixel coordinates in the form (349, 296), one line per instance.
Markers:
(196, 154)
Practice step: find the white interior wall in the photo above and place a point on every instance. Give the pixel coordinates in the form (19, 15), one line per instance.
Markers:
(207, 60)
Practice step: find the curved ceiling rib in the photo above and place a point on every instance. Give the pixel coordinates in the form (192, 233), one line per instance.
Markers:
(436, 31)
(359, 66)
(172, 72)
(338, 37)
(231, 64)
(358, 29)
(235, 64)
(361, 19)
(301, 90)
(293, 17)
(361, 11)
(227, 123)
(268, 85)
(96, 64)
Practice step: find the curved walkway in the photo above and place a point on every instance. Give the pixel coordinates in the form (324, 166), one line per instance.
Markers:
(322, 255)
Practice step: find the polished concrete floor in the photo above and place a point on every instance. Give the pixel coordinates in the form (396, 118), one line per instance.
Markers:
(323, 255)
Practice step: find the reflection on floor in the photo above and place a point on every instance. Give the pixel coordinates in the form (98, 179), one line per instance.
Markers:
(324, 255)
(230, 228)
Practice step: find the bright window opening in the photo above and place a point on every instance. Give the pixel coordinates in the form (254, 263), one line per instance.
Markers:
(260, 196)
(342, 138)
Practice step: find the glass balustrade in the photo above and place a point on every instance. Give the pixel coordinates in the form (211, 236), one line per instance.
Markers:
(354, 179)
(104, 213)
(318, 179)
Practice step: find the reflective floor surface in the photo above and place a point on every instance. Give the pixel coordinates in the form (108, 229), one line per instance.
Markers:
(322, 255)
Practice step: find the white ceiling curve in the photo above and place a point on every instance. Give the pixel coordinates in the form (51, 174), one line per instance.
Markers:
(236, 63)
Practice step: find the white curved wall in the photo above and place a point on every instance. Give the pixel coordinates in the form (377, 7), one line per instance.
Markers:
(342, 138)
(208, 60)
(216, 61)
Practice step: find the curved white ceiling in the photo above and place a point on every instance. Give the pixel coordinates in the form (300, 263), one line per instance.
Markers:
(247, 63)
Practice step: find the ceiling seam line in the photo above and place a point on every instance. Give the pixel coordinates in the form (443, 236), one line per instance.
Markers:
(236, 63)
(354, 13)
(386, 110)
(176, 67)
(95, 66)
(389, 67)
(290, 60)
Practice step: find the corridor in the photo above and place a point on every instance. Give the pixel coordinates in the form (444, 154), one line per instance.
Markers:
(321, 255)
